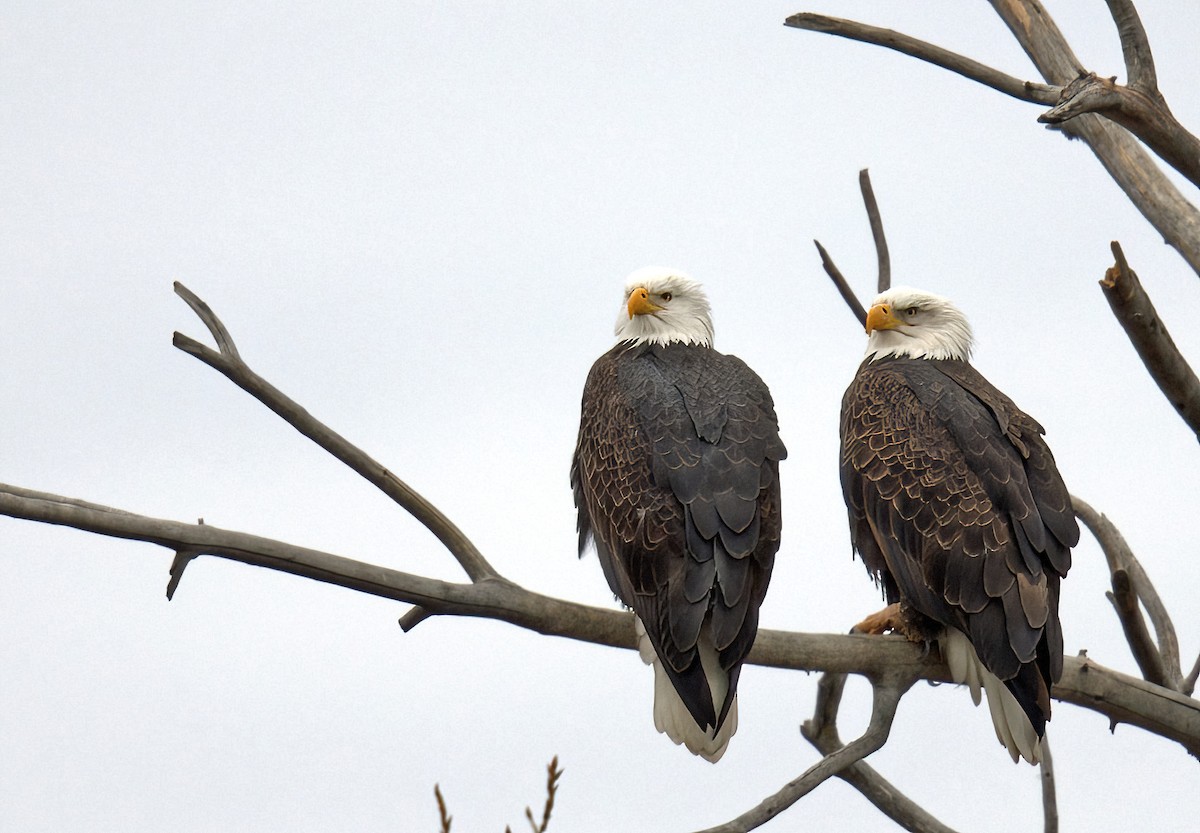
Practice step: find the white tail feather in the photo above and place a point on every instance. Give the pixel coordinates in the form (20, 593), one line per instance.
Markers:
(671, 716)
(1013, 728)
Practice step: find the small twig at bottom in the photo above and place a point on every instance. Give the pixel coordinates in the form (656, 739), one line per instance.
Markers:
(1049, 793)
(444, 817)
(822, 733)
(887, 691)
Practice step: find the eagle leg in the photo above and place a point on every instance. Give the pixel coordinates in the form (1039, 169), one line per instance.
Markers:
(888, 619)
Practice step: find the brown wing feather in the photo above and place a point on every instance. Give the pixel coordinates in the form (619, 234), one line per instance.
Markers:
(676, 478)
(957, 508)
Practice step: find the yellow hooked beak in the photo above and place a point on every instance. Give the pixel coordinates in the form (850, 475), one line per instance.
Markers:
(640, 303)
(881, 317)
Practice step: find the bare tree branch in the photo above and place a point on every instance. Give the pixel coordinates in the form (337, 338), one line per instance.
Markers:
(1120, 697)
(821, 731)
(881, 252)
(1144, 113)
(1155, 196)
(444, 818)
(1154, 345)
(1049, 793)
(1135, 46)
(888, 688)
(228, 362)
(1159, 661)
(876, 220)
(843, 288)
(922, 50)
(1150, 191)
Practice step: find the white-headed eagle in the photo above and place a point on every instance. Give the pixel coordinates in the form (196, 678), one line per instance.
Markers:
(958, 510)
(676, 479)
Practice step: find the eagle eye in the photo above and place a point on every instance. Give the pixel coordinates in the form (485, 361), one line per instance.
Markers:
(911, 311)
(666, 296)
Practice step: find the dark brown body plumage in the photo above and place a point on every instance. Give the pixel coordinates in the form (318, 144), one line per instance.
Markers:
(958, 510)
(676, 478)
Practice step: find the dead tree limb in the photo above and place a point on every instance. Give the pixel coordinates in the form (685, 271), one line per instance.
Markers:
(887, 689)
(928, 52)
(1134, 310)
(1150, 191)
(1120, 697)
(822, 732)
(227, 360)
(884, 280)
(1158, 660)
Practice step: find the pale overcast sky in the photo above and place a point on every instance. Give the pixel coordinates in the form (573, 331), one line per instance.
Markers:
(416, 219)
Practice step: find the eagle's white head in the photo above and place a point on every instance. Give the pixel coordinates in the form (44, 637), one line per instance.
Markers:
(909, 322)
(662, 306)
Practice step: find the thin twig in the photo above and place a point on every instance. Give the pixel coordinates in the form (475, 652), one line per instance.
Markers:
(443, 817)
(936, 55)
(887, 688)
(1154, 345)
(229, 363)
(876, 220)
(843, 288)
(1049, 793)
(553, 773)
(183, 557)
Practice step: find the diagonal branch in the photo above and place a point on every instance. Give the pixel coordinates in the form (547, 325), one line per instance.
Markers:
(881, 252)
(1150, 191)
(1135, 46)
(228, 362)
(843, 287)
(1159, 662)
(888, 688)
(821, 731)
(1154, 345)
(922, 50)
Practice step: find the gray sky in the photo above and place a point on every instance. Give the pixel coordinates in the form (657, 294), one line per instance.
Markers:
(416, 218)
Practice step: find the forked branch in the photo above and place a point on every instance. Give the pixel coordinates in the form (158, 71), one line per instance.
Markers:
(226, 360)
(822, 732)
(887, 689)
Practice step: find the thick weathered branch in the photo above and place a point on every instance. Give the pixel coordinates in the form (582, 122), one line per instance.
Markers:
(821, 731)
(1139, 107)
(229, 363)
(887, 689)
(1155, 196)
(1120, 697)
(1135, 46)
(1144, 113)
(1154, 345)
(936, 55)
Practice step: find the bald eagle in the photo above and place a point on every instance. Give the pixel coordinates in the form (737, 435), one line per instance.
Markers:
(676, 480)
(958, 510)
